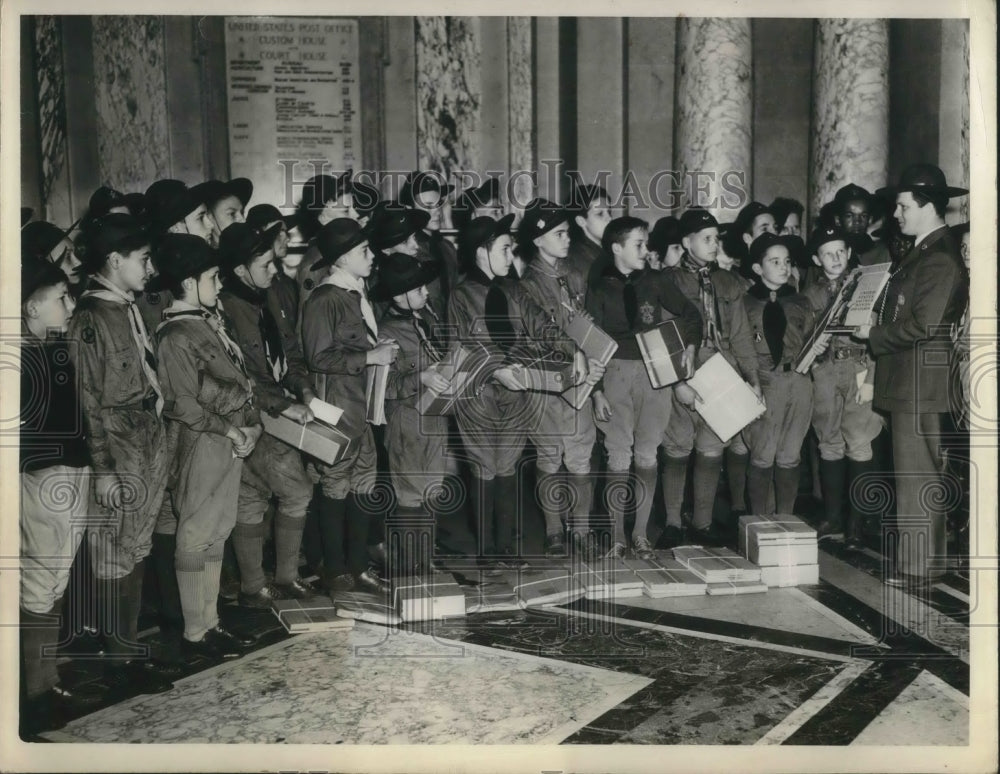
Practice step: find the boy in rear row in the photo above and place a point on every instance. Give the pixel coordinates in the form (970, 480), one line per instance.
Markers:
(626, 298)
(780, 320)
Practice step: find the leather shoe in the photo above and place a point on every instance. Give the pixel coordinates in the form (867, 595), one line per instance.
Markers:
(340, 583)
(671, 537)
(137, 677)
(221, 634)
(555, 546)
(378, 555)
(297, 589)
(369, 581)
(828, 530)
(710, 536)
(81, 697)
(261, 600)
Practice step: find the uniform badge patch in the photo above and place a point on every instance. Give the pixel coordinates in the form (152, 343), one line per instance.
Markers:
(88, 335)
(153, 298)
(308, 284)
(646, 313)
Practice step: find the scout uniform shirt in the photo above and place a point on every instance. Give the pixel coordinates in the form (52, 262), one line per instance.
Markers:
(336, 336)
(926, 293)
(842, 347)
(718, 296)
(586, 256)
(206, 391)
(271, 351)
(623, 306)
(560, 291)
(415, 443)
(769, 341)
(436, 247)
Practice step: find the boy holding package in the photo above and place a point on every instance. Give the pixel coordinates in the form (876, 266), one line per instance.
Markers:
(340, 338)
(843, 387)
(718, 296)
(281, 383)
(563, 434)
(209, 396)
(780, 320)
(624, 299)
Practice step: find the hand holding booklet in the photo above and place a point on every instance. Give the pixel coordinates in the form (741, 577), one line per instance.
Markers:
(726, 402)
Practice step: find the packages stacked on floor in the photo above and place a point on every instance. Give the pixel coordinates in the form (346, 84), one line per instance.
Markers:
(784, 546)
(498, 597)
(663, 577)
(547, 587)
(609, 580)
(364, 606)
(724, 571)
(426, 598)
(317, 614)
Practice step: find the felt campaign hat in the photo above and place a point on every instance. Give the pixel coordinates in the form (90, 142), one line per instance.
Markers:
(105, 199)
(540, 217)
(39, 238)
(959, 229)
(399, 273)
(320, 189)
(336, 238)
(823, 234)
(665, 232)
(421, 182)
(240, 242)
(694, 220)
(216, 190)
(260, 216)
(366, 198)
(117, 232)
(169, 202)
(923, 178)
(481, 230)
(389, 225)
(479, 196)
(179, 256)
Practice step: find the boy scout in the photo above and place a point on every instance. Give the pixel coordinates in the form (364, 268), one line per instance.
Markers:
(274, 363)
(324, 198)
(627, 298)
(752, 221)
(286, 291)
(590, 207)
(563, 434)
(340, 338)
(424, 191)
(41, 240)
(209, 396)
(925, 295)
(780, 320)
(665, 248)
(50, 417)
(122, 405)
(415, 443)
(718, 297)
(842, 416)
(482, 201)
(490, 308)
(227, 201)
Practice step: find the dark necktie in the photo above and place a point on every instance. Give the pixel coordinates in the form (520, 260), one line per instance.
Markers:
(498, 317)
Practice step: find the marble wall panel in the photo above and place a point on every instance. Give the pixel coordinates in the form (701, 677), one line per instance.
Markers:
(520, 108)
(51, 101)
(131, 99)
(448, 93)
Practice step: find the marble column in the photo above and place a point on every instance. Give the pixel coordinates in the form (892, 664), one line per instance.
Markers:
(713, 114)
(953, 126)
(850, 111)
(520, 110)
(966, 168)
(448, 93)
(131, 99)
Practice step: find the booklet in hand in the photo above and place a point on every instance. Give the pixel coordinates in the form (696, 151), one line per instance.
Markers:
(662, 350)
(726, 402)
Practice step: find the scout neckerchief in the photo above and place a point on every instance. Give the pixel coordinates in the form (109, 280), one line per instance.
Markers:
(496, 310)
(341, 279)
(430, 343)
(709, 302)
(774, 320)
(182, 310)
(115, 295)
(568, 300)
(274, 349)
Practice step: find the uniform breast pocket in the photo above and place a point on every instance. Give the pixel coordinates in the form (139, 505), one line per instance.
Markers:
(353, 335)
(122, 380)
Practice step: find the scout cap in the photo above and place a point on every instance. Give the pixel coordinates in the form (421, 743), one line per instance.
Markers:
(825, 234)
(695, 220)
(482, 230)
(399, 273)
(215, 190)
(40, 238)
(747, 216)
(260, 216)
(768, 240)
(36, 274)
(540, 217)
(114, 233)
(421, 182)
(169, 202)
(665, 232)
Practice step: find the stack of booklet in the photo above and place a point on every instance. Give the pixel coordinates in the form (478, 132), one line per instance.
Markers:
(318, 614)
(662, 349)
(783, 546)
(725, 571)
(663, 577)
(547, 587)
(609, 580)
